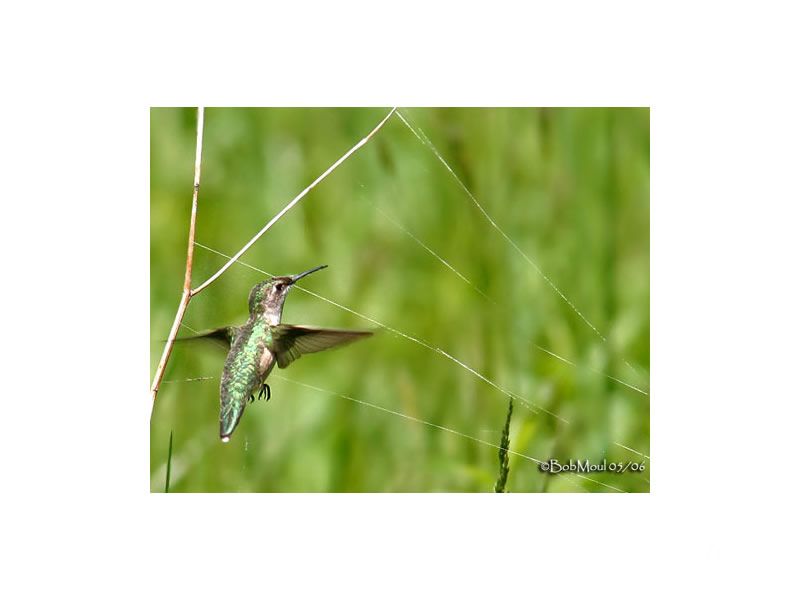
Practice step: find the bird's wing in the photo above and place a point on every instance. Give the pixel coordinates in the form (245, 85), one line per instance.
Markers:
(223, 336)
(290, 342)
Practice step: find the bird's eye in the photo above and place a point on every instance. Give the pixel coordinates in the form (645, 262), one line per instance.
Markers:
(279, 287)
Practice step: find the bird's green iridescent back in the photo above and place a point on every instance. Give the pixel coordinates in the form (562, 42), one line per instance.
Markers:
(247, 366)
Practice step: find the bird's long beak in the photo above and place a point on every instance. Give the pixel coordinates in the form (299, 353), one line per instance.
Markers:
(296, 278)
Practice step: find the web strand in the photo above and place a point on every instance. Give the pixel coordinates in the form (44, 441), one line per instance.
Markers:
(436, 426)
(404, 416)
(569, 362)
(410, 418)
(420, 135)
(524, 401)
(634, 451)
(489, 299)
(188, 380)
(532, 407)
(432, 253)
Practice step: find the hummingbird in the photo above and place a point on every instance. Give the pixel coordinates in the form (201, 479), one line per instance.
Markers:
(255, 347)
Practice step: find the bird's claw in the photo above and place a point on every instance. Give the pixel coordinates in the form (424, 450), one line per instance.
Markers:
(265, 391)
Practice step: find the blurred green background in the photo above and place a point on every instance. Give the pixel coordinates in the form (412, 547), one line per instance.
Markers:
(569, 186)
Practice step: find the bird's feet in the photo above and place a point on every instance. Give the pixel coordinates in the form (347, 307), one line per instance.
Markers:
(265, 391)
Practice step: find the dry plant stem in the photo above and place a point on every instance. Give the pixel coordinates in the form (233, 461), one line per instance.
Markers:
(187, 278)
(188, 292)
(286, 208)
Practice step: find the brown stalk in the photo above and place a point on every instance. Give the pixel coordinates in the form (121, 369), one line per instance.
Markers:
(187, 277)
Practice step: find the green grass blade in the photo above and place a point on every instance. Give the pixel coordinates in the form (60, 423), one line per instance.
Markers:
(169, 464)
(500, 485)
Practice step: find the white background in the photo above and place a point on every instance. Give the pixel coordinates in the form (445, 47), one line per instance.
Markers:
(78, 518)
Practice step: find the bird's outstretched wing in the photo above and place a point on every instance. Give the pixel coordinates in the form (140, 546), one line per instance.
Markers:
(223, 336)
(290, 342)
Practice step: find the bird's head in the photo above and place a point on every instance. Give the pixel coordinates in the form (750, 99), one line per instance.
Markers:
(267, 297)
